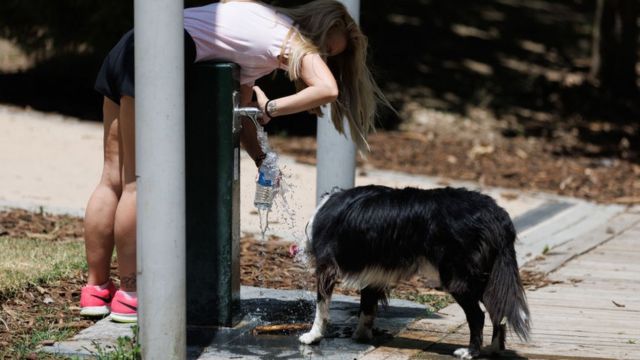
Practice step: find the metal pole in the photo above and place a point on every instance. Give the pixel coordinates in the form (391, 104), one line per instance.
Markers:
(160, 159)
(336, 153)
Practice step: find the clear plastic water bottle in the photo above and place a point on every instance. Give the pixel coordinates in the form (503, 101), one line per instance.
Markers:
(266, 185)
(264, 192)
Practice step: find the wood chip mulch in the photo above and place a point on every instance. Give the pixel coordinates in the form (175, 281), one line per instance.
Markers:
(517, 163)
(19, 223)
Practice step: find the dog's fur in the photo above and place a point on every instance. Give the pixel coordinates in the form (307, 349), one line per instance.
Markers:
(374, 236)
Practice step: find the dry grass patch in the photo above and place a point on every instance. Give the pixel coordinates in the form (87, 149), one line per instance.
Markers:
(34, 261)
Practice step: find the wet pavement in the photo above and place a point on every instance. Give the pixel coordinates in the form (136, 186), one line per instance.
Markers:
(263, 307)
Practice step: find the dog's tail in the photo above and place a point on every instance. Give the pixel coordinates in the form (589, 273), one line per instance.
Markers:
(504, 297)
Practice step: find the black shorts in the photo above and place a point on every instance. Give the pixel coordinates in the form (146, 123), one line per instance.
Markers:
(116, 76)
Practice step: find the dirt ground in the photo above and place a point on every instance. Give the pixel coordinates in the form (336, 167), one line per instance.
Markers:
(481, 149)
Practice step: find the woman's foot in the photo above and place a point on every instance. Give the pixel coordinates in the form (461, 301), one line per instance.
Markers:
(95, 299)
(124, 307)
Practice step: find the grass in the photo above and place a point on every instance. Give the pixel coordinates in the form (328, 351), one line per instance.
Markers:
(27, 345)
(434, 302)
(46, 326)
(33, 261)
(24, 261)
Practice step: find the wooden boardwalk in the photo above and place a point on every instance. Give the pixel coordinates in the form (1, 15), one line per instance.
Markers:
(593, 312)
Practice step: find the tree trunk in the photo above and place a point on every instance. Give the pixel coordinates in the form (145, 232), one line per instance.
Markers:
(615, 46)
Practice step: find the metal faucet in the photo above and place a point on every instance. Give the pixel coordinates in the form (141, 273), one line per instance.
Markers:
(251, 112)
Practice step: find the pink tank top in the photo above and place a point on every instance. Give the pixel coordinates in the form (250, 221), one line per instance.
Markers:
(246, 33)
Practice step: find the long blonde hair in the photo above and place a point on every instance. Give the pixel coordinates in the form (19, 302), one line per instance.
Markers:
(358, 92)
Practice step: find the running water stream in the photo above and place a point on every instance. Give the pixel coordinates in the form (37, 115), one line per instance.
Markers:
(268, 182)
(280, 194)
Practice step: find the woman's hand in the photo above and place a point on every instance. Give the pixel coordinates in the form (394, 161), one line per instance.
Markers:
(262, 103)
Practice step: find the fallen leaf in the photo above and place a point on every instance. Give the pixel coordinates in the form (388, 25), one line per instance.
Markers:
(521, 154)
(509, 196)
(627, 200)
(617, 304)
(479, 150)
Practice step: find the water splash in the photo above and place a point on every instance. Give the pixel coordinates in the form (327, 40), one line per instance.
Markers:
(264, 195)
(283, 200)
(287, 212)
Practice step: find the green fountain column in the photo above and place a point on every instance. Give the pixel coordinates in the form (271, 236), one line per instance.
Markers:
(212, 196)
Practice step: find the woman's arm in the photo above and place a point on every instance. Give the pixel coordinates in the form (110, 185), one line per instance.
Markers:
(321, 89)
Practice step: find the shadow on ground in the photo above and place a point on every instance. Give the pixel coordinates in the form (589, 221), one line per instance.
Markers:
(442, 350)
(526, 62)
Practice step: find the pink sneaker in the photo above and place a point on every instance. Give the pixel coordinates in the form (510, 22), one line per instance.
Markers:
(94, 301)
(124, 308)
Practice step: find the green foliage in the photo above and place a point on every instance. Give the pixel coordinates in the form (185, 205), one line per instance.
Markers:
(41, 26)
(27, 344)
(434, 302)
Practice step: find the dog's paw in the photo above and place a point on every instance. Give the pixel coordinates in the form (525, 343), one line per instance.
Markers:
(464, 354)
(493, 349)
(311, 337)
(362, 334)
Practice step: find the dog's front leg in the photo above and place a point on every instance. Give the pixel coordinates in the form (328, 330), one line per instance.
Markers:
(319, 323)
(326, 281)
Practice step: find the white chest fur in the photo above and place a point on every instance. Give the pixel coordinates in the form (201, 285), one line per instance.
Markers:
(386, 278)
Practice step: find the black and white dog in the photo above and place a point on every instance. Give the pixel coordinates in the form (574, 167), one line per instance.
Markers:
(373, 236)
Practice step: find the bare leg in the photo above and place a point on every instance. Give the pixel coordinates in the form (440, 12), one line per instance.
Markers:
(101, 209)
(125, 216)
